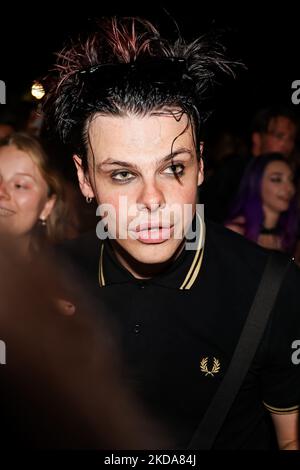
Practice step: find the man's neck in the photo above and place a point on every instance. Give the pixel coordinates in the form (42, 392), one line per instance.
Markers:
(143, 270)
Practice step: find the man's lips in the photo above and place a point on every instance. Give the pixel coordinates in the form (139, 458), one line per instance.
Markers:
(148, 227)
(154, 234)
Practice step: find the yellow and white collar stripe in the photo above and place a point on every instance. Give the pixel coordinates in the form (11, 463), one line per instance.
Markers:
(193, 271)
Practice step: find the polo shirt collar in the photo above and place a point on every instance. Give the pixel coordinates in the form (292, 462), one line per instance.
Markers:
(181, 274)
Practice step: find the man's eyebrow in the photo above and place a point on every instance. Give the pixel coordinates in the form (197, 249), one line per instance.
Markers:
(176, 152)
(111, 161)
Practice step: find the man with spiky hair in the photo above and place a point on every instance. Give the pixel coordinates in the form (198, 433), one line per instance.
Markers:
(130, 105)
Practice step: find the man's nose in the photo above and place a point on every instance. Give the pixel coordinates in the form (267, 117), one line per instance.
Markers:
(151, 196)
(286, 146)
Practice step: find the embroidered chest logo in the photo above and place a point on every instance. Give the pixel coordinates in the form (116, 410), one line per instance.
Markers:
(215, 367)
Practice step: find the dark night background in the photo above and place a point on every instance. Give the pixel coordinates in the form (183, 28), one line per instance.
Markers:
(266, 41)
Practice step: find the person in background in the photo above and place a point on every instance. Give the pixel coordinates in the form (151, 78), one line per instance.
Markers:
(273, 129)
(32, 208)
(266, 210)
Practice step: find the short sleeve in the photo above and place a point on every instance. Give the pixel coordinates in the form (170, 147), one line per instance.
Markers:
(281, 371)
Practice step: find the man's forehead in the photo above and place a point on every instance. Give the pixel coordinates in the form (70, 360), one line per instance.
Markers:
(282, 123)
(138, 132)
(175, 118)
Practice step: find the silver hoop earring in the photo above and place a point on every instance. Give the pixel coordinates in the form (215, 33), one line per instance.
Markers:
(88, 199)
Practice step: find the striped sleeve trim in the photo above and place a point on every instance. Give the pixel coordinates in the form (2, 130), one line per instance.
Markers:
(282, 411)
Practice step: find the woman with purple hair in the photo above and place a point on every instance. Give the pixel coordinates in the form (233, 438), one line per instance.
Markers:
(265, 209)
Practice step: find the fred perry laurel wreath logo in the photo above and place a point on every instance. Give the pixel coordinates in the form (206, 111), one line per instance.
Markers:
(215, 368)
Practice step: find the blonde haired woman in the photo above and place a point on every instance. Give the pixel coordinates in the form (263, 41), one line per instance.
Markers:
(32, 208)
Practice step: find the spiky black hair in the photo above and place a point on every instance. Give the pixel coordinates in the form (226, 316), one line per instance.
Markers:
(127, 66)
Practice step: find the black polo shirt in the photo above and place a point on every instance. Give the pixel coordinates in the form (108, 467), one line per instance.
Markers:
(177, 333)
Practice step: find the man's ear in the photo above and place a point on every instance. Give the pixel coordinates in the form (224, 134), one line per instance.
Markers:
(201, 165)
(256, 143)
(84, 182)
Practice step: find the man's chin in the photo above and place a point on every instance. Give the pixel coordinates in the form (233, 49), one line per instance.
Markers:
(156, 253)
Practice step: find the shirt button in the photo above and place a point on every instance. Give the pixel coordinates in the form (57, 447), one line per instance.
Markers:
(137, 328)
